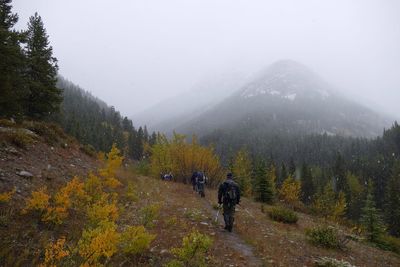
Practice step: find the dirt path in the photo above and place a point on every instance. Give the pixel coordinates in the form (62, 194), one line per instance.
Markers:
(233, 239)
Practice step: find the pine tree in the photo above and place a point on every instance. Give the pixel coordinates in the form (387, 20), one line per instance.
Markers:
(242, 170)
(44, 97)
(292, 167)
(263, 192)
(12, 64)
(307, 184)
(371, 219)
(339, 172)
(271, 177)
(392, 205)
(282, 175)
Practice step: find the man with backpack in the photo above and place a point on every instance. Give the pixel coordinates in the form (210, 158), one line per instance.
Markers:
(201, 180)
(229, 196)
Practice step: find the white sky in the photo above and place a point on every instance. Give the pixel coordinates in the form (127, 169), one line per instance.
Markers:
(133, 54)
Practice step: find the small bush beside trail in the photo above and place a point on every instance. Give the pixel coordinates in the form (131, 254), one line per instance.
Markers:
(389, 243)
(324, 236)
(284, 215)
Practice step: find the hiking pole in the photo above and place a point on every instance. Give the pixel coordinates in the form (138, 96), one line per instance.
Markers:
(216, 217)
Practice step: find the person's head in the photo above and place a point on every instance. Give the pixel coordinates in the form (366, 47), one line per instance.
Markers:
(229, 176)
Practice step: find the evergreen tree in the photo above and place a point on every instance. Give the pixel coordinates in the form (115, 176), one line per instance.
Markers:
(356, 196)
(12, 64)
(371, 219)
(292, 168)
(271, 178)
(307, 184)
(392, 205)
(339, 173)
(242, 170)
(263, 192)
(44, 97)
(282, 175)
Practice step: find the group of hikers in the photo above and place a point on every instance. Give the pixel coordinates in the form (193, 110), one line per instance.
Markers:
(228, 195)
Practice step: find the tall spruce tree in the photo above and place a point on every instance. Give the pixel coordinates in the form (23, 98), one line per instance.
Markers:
(242, 170)
(12, 64)
(263, 191)
(339, 172)
(282, 175)
(392, 205)
(292, 168)
(307, 184)
(44, 97)
(371, 219)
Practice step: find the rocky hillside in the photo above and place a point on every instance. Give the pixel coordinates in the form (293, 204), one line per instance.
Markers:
(39, 154)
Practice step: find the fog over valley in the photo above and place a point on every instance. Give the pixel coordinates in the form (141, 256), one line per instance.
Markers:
(135, 54)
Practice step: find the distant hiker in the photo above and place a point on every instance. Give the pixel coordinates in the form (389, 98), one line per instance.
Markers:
(201, 180)
(168, 177)
(193, 179)
(229, 196)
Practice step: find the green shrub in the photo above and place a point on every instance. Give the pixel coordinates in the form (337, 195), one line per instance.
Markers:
(194, 215)
(131, 193)
(89, 150)
(142, 168)
(6, 123)
(330, 262)
(19, 138)
(284, 215)
(135, 240)
(148, 214)
(193, 251)
(324, 236)
(390, 243)
(49, 131)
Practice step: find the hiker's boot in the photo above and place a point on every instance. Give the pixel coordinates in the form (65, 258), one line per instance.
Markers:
(230, 228)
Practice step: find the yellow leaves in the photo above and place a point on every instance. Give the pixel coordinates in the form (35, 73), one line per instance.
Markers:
(182, 158)
(131, 193)
(113, 162)
(135, 240)
(99, 242)
(340, 207)
(102, 210)
(39, 201)
(55, 252)
(290, 191)
(6, 196)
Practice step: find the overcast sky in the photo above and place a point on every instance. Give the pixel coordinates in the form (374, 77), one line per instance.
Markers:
(133, 54)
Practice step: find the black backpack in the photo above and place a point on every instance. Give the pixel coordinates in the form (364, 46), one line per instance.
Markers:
(200, 177)
(230, 194)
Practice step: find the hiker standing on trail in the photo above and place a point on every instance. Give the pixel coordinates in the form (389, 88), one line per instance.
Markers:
(194, 181)
(201, 180)
(229, 196)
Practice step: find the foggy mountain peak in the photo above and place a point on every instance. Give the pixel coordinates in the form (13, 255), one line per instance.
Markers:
(289, 80)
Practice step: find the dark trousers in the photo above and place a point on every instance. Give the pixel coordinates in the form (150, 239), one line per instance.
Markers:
(229, 215)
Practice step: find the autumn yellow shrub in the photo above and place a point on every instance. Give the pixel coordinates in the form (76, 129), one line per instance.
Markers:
(55, 252)
(193, 251)
(6, 196)
(93, 187)
(290, 191)
(113, 162)
(102, 210)
(39, 201)
(131, 193)
(98, 243)
(135, 240)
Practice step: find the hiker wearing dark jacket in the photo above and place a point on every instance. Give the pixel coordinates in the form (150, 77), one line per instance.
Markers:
(229, 196)
(194, 181)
